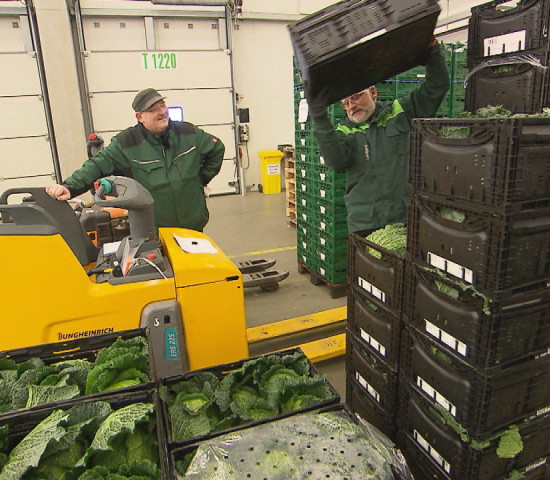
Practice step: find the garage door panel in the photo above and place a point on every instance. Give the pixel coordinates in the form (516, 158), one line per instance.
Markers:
(22, 78)
(38, 181)
(21, 117)
(22, 157)
(188, 34)
(113, 111)
(109, 34)
(220, 183)
(112, 71)
(11, 34)
(225, 134)
(203, 107)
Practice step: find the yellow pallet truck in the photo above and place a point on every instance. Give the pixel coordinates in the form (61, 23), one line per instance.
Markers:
(57, 285)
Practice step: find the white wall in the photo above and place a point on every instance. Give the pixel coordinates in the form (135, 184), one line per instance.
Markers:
(263, 77)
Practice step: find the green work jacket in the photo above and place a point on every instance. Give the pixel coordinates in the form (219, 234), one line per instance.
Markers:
(375, 154)
(174, 167)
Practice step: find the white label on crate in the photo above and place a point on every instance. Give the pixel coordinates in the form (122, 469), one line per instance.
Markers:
(369, 287)
(304, 244)
(455, 269)
(304, 202)
(542, 411)
(537, 464)
(446, 338)
(303, 172)
(321, 160)
(303, 156)
(378, 293)
(322, 240)
(322, 176)
(450, 267)
(304, 216)
(323, 193)
(322, 272)
(274, 169)
(303, 110)
(303, 185)
(432, 452)
(436, 261)
(303, 142)
(322, 209)
(323, 226)
(302, 126)
(372, 392)
(432, 329)
(366, 38)
(435, 395)
(373, 342)
(509, 42)
(322, 256)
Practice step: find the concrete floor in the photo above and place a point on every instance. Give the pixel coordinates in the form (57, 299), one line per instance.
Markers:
(255, 226)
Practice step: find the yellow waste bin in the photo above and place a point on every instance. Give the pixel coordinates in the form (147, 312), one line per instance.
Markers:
(270, 164)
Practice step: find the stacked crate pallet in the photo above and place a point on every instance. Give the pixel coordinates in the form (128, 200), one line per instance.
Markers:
(290, 185)
(404, 83)
(474, 393)
(508, 56)
(320, 210)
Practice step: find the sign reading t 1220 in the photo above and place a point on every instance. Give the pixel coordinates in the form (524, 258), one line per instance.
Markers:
(159, 61)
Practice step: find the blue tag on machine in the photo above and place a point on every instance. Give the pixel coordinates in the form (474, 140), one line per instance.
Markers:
(171, 349)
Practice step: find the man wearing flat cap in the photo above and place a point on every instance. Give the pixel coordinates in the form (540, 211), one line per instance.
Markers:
(173, 160)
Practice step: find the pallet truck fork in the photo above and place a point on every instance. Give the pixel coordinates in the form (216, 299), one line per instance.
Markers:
(256, 274)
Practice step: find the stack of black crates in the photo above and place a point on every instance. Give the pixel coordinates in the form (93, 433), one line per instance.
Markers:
(376, 287)
(320, 210)
(508, 56)
(474, 393)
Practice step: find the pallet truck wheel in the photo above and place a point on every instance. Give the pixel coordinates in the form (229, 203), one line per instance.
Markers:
(270, 287)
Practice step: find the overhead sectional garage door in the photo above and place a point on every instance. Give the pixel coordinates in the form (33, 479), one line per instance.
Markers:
(26, 158)
(183, 56)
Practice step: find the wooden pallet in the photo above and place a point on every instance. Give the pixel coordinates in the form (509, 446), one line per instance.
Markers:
(337, 290)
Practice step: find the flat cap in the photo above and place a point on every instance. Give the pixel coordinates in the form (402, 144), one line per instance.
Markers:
(145, 99)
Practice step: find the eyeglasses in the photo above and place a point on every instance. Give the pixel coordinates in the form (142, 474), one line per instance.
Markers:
(353, 98)
(161, 107)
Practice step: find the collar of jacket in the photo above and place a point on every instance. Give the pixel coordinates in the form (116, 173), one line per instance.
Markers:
(162, 138)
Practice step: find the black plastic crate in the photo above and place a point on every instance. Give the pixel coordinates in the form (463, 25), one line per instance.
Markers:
(438, 451)
(375, 378)
(496, 161)
(482, 333)
(495, 31)
(482, 401)
(86, 348)
(380, 279)
(377, 329)
(492, 252)
(167, 386)
(20, 423)
(424, 468)
(368, 409)
(353, 44)
(519, 84)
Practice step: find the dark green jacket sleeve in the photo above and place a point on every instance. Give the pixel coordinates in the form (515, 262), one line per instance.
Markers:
(211, 150)
(104, 163)
(426, 99)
